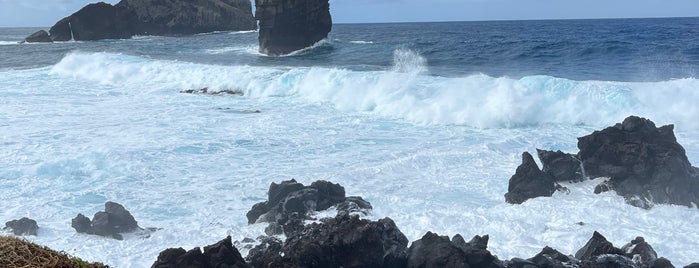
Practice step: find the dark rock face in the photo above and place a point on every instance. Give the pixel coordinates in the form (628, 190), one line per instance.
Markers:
(640, 251)
(221, 254)
(433, 250)
(290, 25)
(23, 226)
(154, 17)
(560, 165)
(39, 37)
(289, 202)
(597, 246)
(529, 182)
(645, 163)
(344, 241)
(551, 258)
(111, 222)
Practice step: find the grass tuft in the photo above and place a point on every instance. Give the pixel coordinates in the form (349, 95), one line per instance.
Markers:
(18, 253)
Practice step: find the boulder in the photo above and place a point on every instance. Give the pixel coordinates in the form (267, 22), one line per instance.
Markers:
(433, 250)
(154, 17)
(597, 246)
(292, 198)
(111, 222)
(560, 165)
(645, 163)
(39, 37)
(551, 258)
(221, 254)
(343, 241)
(529, 182)
(23, 226)
(608, 261)
(291, 25)
(268, 250)
(661, 263)
(640, 251)
(693, 265)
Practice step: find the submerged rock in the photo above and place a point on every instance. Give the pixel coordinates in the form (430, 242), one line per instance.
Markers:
(529, 182)
(645, 163)
(153, 17)
(23, 226)
(291, 25)
(111, 222)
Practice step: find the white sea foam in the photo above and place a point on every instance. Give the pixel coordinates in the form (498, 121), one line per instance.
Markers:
(9, 43)
(360, 42)
(101, 126)
(247, 49)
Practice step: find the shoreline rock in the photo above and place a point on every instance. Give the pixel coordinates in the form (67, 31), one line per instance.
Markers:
(111, 222)
(23, 226)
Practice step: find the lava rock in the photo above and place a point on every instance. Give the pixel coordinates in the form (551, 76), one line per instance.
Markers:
(529, 182)
(221, 254)
(433, 250)
(344, 242)
(560, 165)
(645, 163)
(291, 25)
(154, 17)
(597, 246)
(268, 250)
(608, 261)
(640, 251)
(39, 37)
(23, 226)
(290, 197)
(693, 265)
(112, 222)
(520, 263)
(551, 258)
(661, 263)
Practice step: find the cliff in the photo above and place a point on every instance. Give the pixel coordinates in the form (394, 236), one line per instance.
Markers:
(290, 25)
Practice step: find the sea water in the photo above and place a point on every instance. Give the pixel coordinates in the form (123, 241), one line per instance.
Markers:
(427, 121)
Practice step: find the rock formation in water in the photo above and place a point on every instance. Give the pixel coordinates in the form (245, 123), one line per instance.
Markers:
(221, 254)
(38, 37)
(291, 25)
(111, 222)
(23, 226)
(643, 163)
(154, 17)
(529, 182)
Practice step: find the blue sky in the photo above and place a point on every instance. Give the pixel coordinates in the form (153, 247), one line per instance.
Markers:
(45, 12)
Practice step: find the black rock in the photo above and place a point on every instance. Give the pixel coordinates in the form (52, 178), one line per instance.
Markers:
(645, 163)
(154, 17)
(693, 265)
(520, 263)
(433, 250)
(661, 263)
(23, 226)
(112, 222)
(344, 242)
(608, 261)
(560, 165)
(290, 25)
(39, 37)
(597, 246)
(640, 251)
(221, 254)
(529, 182)
(268, 250)
(329, 194)
(551, 258)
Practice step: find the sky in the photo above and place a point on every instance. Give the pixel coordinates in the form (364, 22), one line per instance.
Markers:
(43, 13)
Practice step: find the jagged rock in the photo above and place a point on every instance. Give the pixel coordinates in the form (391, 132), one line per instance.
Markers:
(608, 261)
(529, 182)
(207, 91)
(289, 197)
(344, 242)
(597, 246)
(520, 263)
(39, 37)
(353, 204)
(268, 250)
(551, 258)
(111, 222)
(645, 163)
(661, 263)
(23, 226)
(433, 250)
(290, 25)
(640, 251)
(221, 254)
(602, 188)
(154, 17)
(693, 265)
(560, 165)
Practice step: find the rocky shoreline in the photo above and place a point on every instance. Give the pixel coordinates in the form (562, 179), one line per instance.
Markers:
(634, 154)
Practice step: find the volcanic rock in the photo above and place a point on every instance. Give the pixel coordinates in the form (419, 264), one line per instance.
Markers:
(154, 17)
(560, 165)
(551, 258)
(111, 222)
(23, 226)
(344, 241)
(433, 250)
(221, 254)
(292, 198)
(597, 246)
(39, 37)
(645, 163)
(291, 25)
(640, 251)
(529, 182)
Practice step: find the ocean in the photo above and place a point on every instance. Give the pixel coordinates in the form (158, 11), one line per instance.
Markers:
(427, 121)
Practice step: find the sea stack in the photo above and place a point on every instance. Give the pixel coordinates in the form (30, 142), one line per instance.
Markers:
(153, 17)
(290, 25)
